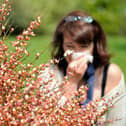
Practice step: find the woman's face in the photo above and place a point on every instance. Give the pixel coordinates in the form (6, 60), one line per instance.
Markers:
(69, 44)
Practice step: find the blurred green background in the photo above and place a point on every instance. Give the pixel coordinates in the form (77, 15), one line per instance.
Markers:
(110, 13)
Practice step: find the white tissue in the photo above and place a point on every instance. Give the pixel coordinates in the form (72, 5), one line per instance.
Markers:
(68, 52)
(88, 57)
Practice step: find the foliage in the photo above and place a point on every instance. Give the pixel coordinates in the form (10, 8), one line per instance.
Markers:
(110, 13)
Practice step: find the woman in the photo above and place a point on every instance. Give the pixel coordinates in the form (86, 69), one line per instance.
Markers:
(80, 32)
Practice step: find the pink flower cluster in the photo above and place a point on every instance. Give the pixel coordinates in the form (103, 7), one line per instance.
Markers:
(25, 98)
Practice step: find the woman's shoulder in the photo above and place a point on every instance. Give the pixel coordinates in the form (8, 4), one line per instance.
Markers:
(114, 77)
(116, 92)
(114, 71)
(114, 74)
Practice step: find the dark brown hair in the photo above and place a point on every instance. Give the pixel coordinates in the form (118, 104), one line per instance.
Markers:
(89, 32)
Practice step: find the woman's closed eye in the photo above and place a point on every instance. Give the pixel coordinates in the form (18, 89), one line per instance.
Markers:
(69, 46)
(84, 46)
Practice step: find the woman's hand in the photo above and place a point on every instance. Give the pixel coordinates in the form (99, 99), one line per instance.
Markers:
(75, 72)
(76, 69)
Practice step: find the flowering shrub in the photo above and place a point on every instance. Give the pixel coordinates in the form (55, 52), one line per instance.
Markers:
(26, 98)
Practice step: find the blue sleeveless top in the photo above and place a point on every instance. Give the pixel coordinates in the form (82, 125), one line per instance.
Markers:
(89, 75)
